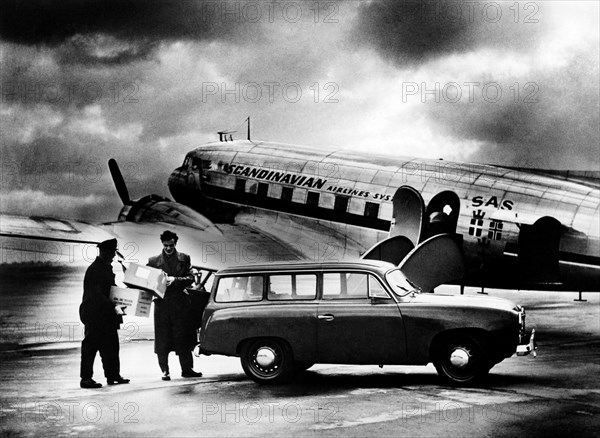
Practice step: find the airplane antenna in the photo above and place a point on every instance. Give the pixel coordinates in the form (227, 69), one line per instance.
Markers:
(248, 120)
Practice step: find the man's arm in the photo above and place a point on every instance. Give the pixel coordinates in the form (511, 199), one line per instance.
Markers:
(96, 282)
(187, 277)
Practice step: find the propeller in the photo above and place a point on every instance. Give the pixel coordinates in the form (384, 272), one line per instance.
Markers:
(119, 181)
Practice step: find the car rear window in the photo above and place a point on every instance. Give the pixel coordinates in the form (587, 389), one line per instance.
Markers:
(292, 287)
(241, 288)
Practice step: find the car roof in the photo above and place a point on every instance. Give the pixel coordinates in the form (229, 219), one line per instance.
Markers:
(371, 265)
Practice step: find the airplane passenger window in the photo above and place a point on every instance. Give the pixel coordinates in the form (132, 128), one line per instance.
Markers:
(240, 185)
(287, 193)
(312, 199)
(263, 189)
(371, 210)
(341, 203)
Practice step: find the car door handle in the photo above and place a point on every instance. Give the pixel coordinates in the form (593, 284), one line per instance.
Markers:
(327, 317)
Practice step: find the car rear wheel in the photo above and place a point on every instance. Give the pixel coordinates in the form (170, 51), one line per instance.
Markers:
(267, 361)
(460, 361)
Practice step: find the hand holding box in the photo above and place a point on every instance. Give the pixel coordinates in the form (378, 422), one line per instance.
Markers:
(146, 278)
(134, 301)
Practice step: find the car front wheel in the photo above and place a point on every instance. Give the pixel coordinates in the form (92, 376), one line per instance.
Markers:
(460, 360)
(267, 361)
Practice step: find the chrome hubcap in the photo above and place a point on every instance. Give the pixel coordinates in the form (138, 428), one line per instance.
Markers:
(459, 358)
(265, 357)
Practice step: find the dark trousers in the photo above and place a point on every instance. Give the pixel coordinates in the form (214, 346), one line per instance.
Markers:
(173, 331)
(105, 342)
(185, 360)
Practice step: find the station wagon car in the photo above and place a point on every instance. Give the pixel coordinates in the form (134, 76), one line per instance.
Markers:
(282, 318)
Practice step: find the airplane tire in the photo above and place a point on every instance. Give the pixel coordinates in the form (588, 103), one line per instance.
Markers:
(267, 361)
(461, 361)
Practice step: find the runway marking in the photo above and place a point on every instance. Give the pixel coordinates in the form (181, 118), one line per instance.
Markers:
(366, 391)
(445, 400)
(389, 416)
(83, 428)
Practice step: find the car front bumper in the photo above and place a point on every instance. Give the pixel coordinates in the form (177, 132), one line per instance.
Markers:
(528, 348)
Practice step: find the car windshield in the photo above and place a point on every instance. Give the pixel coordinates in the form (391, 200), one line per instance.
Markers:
(399, 283)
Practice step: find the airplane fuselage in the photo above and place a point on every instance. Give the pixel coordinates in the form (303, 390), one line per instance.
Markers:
(517, 229)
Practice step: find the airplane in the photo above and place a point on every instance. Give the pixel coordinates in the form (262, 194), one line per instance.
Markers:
(244, 201)
(517, 228)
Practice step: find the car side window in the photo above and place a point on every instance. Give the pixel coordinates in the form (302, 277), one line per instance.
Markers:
(345, 285)
(242, 288)
(376, 290)
(292, 287)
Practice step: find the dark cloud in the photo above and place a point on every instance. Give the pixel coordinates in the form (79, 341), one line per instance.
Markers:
(52, 22)
(401, 30)
(550, 123)
(416, 31)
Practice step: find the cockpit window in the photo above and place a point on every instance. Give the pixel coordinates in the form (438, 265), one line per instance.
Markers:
(196, 163)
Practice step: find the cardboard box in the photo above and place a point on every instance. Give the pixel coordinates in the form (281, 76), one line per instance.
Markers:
(146, 278)
(137, 301)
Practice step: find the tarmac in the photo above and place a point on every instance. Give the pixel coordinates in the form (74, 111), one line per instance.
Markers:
(555, 394)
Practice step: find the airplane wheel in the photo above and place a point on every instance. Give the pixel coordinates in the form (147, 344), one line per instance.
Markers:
(461, 361)
(267, 361)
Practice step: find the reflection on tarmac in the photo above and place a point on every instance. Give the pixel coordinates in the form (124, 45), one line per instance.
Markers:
(556, 394)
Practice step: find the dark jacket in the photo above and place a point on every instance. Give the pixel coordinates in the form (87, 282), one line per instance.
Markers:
(97, 311)
(182, 271)
(173, 326)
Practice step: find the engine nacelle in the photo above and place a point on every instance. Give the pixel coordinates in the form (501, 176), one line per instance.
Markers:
(154, 208)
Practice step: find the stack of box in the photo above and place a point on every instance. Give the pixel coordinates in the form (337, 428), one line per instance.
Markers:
(136, 302)
(144, 281)
(146, 278)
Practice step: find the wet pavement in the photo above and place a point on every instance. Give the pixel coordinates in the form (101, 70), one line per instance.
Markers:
(555, 394)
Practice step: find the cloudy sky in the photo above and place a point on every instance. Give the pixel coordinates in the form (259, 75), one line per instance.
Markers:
(512, 83)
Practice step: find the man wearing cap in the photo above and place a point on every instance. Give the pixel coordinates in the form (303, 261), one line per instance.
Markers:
(101, 318)
(173, 326)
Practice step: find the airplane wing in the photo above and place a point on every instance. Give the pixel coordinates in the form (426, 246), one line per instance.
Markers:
(38, 239)
(211, 247)
(63, 241)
